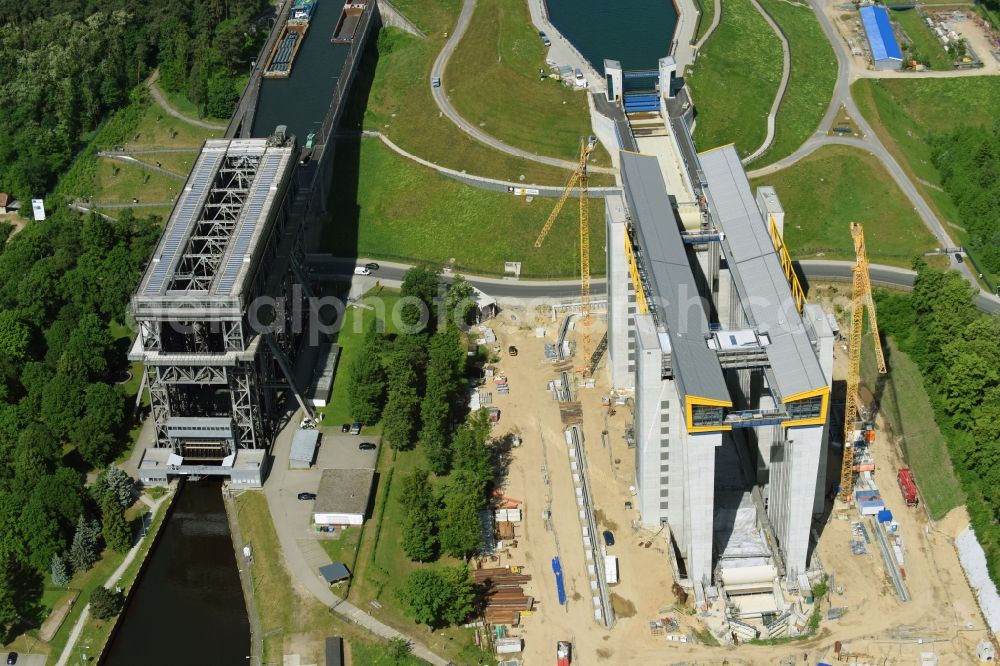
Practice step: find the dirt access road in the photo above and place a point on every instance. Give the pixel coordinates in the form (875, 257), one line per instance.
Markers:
(942, 616)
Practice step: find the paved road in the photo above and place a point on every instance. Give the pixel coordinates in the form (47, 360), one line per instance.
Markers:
(441, 99)
(786, 70)
(391, 273)
(289, 530)
(171, 111)
(869, 141)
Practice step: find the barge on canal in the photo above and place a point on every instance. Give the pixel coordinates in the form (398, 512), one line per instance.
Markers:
(279, 63)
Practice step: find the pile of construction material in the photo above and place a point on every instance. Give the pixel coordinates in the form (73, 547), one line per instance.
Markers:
(505, 597)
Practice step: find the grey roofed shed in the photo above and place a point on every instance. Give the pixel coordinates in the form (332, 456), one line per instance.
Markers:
(334, 572)
(303, 451)
(334, 651)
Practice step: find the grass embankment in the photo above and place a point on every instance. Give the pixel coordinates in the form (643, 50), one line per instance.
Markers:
(836, 185)
(706, 9)
(811, 79)
(407, 212)
(182, 104)
(493, 81)
(735, 80)
(400, 105)
(380, 304)
(924, 43)
(907, 113)
(287, 619)
(382, 567)
(905, 403)
(95, 632)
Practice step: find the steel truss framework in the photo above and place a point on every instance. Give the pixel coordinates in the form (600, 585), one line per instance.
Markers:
(219, 216)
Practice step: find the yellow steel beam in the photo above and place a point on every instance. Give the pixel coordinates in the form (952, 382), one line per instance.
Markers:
(786, 264)
(633, 270)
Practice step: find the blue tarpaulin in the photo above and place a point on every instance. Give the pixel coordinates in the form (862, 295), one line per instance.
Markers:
(560, 588)
(880, 35)
(885, 516)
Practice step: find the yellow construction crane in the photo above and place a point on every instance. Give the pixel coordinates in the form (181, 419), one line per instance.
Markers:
(578, 178)
(861, 298)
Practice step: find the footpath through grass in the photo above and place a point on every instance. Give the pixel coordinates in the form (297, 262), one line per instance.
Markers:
(905, 403)
(735, 80)
(836, 185)
(493, 81)
(811, 79)
(707, 10)
(907, 113)
(400, 105)
(410, 213)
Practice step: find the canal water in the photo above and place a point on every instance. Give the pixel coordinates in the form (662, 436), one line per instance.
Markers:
(188, 607)
(635, 32)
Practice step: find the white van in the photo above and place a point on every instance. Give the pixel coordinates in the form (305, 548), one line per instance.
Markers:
(361, 270)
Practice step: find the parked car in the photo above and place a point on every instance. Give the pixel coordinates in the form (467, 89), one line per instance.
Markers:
(361, 270)
(959, 258)
(307, 496)
(436, 82)
(345, 428)
(545, 38)
(356, 428)
(11, 658)
(609, 538)
(367, 446)
(512, 350)
(372, 266)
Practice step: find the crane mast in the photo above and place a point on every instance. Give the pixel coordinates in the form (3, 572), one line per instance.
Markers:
(861, 299)
(578, 179)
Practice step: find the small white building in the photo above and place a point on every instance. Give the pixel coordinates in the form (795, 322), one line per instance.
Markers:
(343, 496)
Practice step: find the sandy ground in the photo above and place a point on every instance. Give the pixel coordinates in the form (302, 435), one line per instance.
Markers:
(848, 24)
(942, 616)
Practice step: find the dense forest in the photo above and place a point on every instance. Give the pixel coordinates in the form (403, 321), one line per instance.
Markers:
(62, 407)
(969, 162)
(958, 351)
(65, 64)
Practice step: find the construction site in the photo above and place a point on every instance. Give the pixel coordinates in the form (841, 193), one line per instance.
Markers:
(682, 489)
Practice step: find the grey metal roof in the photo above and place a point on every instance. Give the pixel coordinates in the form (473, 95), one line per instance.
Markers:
(674, 291)
(182, 217)
(253, 220)
(765, 294)
(304, 444)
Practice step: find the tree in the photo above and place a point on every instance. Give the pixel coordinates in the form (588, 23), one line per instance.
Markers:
(117, 534)
(14, 336)
(400, 416)
(367, 379)
(460, 528)
(119, 485)
(460, 302)
(469, 449)
(399, 648)
(105, 603)
(419, 539)
(418, 291)
(440, 596)
(60, 572)
(85, 549)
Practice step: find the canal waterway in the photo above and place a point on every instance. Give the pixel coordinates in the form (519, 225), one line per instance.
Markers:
(636, 32)
(188, 607)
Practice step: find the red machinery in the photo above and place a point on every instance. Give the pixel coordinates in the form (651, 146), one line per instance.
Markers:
(908, 486)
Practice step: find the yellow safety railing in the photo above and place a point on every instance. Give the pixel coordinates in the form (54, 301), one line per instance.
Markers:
(640, 292)
(786, 264)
